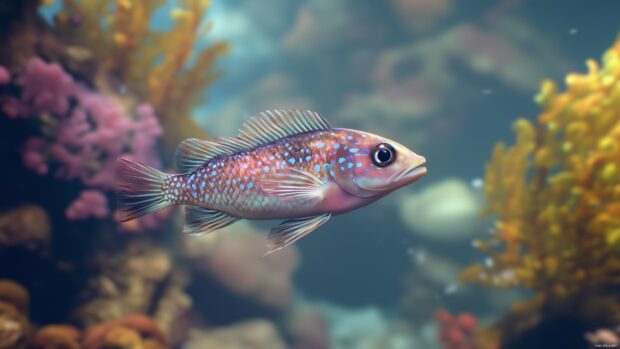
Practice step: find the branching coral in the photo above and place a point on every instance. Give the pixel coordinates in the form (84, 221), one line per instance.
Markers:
(556, 196)
(83, 132)
(165, 67)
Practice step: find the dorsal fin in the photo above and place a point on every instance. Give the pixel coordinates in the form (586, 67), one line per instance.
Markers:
(272, 125)
(263, 128)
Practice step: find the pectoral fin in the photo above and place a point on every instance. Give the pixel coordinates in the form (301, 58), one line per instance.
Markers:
(199, 220)
(294, 183)
(292, 230)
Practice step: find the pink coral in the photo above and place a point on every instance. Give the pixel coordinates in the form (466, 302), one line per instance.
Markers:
(86, 133)
(5, 76)
(90, 203)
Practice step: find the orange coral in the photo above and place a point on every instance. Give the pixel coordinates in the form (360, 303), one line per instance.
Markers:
(56, 337)
(164, 67)
(131, 329)
(14, 327)
(556, 194)
(13, 293)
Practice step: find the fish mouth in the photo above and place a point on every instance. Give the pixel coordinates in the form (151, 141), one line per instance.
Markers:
(413, 172)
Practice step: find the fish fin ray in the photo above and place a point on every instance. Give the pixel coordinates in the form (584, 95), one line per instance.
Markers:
(200, 220)
(271, 125)
(193, 153)
(292, 230)
(262, 128)
(295, 184)
(140, 189)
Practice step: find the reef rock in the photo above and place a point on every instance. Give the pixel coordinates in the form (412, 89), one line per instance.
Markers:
(27, 226)
(447, 210)
(255, 334)
(235, 257)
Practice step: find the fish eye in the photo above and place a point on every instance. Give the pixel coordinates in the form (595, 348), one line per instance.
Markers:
(383, 155)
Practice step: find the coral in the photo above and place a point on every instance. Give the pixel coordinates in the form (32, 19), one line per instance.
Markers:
(27, 226)
(556, 196)
(456, 331)
(167, 68)
(234, 256)
(56, 337)
(173, 306)
(132, 331)
(256, 334)
(127, 283)
(83, 132)
(137, 279)
(14, 325)
(308, 328)
(15, 294)
(90, 203)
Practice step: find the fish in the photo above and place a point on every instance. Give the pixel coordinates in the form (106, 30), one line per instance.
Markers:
(288, 165)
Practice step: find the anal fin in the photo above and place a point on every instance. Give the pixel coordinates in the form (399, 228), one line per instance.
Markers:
(292, 230)
(200, 220)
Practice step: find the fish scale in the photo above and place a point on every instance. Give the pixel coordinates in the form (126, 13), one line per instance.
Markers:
(232, 184)
(283, 165)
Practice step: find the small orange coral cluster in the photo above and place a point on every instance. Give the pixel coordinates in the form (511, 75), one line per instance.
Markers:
(556, 194)
(132, 332)
(456, 331)
(164, 67)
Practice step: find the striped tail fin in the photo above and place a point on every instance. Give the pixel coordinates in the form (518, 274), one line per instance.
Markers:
(140, 189)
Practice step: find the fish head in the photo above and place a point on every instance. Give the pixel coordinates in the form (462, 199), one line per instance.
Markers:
(368, 165)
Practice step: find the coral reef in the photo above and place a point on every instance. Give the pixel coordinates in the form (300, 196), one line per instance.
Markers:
(167, 68)
(56, 337)
(128, 282)
(83, 132)
(27, 226)
(556, 196)
(257, 334)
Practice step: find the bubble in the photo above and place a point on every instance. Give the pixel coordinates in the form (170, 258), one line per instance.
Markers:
(451, 289)
(477, 183)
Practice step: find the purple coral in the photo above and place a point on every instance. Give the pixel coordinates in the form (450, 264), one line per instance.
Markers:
(88, 131)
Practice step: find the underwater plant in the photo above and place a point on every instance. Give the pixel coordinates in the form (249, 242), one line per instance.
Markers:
(556, 196)
(166, 68)
(82, 131)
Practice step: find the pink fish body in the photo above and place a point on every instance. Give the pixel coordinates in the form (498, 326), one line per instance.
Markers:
(284, 165)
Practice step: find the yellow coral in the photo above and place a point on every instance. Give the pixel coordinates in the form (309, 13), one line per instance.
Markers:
(556, 192)
(164, 67)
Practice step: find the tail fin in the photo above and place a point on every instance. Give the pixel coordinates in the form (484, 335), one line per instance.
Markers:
(140, 189)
